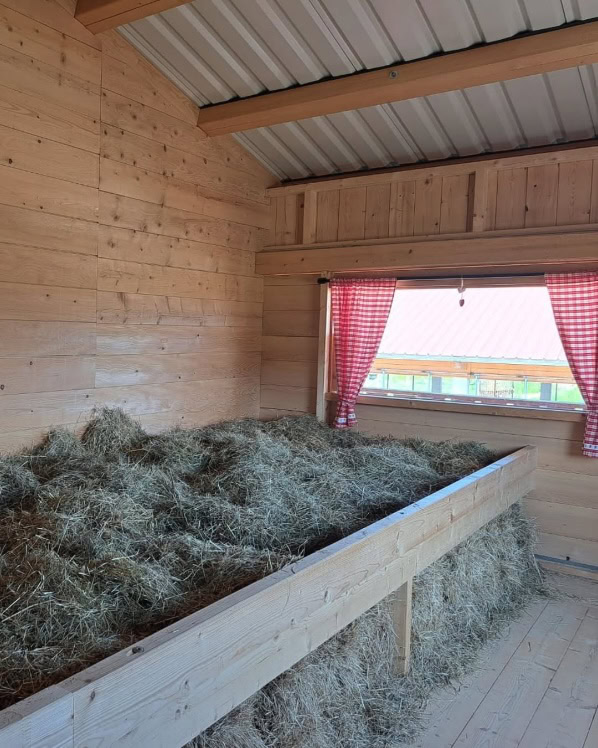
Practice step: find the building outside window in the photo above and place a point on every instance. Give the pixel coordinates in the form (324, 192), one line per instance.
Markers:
(500, 346)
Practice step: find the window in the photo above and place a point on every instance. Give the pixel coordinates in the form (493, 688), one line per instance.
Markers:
(501, 347)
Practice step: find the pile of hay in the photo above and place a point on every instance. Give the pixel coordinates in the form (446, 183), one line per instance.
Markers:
(108, 538)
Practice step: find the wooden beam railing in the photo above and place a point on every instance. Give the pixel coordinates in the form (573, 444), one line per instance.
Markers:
(171, 686)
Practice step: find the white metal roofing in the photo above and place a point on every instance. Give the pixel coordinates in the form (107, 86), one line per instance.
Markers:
(216, 50)
(508, 324)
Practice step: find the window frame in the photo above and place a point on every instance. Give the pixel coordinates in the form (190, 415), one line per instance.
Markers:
(327, 391)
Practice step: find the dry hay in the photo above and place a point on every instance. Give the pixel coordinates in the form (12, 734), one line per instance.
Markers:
(108, 538)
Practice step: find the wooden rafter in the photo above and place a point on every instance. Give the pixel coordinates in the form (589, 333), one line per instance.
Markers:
(515, 58)
(102, 15)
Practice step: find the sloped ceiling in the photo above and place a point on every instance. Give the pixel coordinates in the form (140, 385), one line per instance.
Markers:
(217, 50)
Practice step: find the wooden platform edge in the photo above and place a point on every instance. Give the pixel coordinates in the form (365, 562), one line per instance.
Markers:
(172, 685)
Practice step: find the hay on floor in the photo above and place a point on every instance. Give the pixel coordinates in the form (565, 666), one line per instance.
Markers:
(108, 538)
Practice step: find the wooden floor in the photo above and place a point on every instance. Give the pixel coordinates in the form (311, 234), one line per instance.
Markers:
(536, 688)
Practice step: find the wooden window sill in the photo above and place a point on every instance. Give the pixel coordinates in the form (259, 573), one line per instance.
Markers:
(479, 409)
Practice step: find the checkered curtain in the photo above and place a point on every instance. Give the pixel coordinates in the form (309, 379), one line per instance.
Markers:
(574, 298)
(360, 309)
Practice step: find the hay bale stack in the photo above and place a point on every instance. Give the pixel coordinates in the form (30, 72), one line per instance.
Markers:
(108, 538)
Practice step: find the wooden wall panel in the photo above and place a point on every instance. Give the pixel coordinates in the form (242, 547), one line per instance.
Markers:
(288, 219)
(214, 175)
(138, 246)
(23, 73)
(351, 213)
(154, 218)
(377, 211)
(138, 278)
(28, 114)
(127, 239)
(290, 346)
(455, 204)
(530, 191)
(170, 132)
(115, 307)
(149, 339)
(136, 79)
(402, 209)
(428, 196)
(327, 217)
(574, 192)
(542, 194)
(23, 34)
(126, 369)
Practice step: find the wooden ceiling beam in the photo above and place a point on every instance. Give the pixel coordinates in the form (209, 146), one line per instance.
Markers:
(526, 250)
(515, 58)
(102, 15)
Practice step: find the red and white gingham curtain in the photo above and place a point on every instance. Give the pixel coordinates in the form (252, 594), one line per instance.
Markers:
(360, 309)
(574, 298)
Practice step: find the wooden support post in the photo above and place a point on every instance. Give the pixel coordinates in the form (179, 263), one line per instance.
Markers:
(323, 352)
(401, 613)
(310, 209)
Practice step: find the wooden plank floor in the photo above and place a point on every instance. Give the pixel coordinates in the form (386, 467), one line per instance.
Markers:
(537, 687)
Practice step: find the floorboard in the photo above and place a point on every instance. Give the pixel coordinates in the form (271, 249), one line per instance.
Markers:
(536, 687)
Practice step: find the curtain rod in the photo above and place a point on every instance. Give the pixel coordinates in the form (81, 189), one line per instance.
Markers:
(456, 277)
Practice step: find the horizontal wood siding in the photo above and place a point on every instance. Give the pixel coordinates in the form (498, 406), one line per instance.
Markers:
(127, 239)
(290, 346)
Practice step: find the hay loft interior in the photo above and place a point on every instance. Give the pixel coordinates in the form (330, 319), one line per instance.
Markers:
(176, 179)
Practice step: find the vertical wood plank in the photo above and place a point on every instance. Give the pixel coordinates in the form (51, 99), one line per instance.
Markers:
(454, 204)
(491, 202)
(285, 220)
(377, 211)
(511, 190)
(480, 200)
(594, 193)
(327, 216)
(428, 195)
(323, 352)
(402, 209)
(401, 613)
(351, 214)
(541, 196)
(311, 201)
(574, 192)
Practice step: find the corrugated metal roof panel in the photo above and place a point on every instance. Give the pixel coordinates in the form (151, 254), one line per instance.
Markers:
(511, 324)
(216, 50)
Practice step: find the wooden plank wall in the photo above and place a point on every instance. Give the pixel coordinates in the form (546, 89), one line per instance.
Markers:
(127, 238)
(552, 190)
(290, 345)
